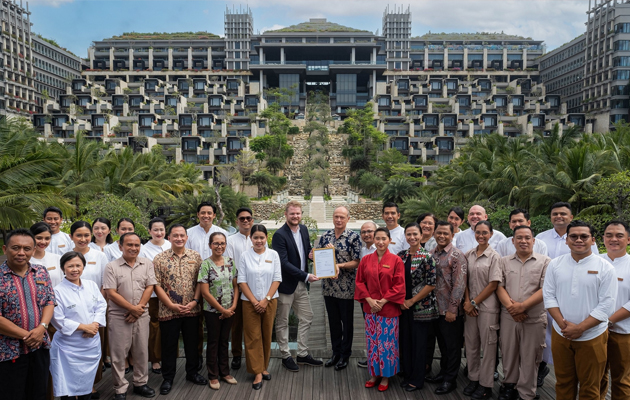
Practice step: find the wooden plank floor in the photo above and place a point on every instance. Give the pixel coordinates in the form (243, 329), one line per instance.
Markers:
(310, 383)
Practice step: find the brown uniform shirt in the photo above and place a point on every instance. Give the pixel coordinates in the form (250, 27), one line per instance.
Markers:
(177, 276)
(129, 282)
(522, 280)
(481, 271)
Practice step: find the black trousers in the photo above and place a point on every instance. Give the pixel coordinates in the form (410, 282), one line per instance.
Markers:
(189, 327)
(84, 397)
(340, 319)
(217, 355)
(450, 338)
(26, 377)
(413, 348)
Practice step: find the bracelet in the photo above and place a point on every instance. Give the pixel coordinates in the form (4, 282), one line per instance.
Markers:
(196, 300)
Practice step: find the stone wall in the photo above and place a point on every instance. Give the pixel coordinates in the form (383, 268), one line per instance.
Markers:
(263, 210)
(362, 211)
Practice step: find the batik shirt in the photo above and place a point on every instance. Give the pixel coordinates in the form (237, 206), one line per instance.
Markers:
(347, 248)
(220, 282)
(422, 273)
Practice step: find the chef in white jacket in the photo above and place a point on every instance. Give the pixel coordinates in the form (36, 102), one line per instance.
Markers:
(76, 348)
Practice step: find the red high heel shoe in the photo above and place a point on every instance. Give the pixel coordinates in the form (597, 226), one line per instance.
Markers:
(371, 384)
(382, 388)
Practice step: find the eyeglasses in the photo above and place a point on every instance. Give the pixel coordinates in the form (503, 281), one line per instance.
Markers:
(366, 232)
(244, 219)
(215, 244)
(574, 238)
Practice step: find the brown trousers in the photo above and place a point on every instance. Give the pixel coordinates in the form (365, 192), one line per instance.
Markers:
(258, 329)
(217, 355)
(237, 330)
(126, 338)
(155, 339)
(619, 367)
(522, 347)
(480, 332)
(579, 362)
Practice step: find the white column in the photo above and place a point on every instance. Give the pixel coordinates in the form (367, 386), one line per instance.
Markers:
(505, 62)
(170, 59)
(210, 58)
(111, 58)
(465, 62)
(190, 58)
(130, 59)
(150, 66)
(485, 59)
(262, 56)
(281, 55)
(374, 56)
(353, 56)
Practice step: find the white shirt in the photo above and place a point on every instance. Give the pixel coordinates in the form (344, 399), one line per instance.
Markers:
(297, 236)
(454, 242)
(579, 289)
(95, 262)
(398, 241)
(430, 244)
(74, 358)
(622, 270)
(237, 244)
(367, 250)
(96, 247)
(556, 244)
(52, 264)
(199, 239)
(466, 240)
(506, 247)
(259, 271)
(112, 251)
(60, 243)
(150, 250)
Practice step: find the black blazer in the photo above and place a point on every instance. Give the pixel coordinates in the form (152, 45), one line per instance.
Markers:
(283, 242)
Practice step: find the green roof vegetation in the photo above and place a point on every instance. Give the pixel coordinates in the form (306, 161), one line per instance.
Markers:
(318, 25)
(201, 35)
(471, 36)
(54, 43)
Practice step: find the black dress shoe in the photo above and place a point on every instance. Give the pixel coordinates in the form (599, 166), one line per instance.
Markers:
(197, 379)
(470, 389)
(439, 378)
(266, 377)
(144, 391)
(509, 392)
(107, 365)
(542, 374)
(257, 386)
(445, 388)
(289, 364)
(166, 387)
(120, 396)
(482, 393)
(332, 361)
(309, 360)
(404, 384)
(342, 364)
(128, 369)
(157, 371)
(236, 362)
(410, 388)
(362, 364)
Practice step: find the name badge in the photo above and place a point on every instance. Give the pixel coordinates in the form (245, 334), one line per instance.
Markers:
(71, 306)
(386, 266)
(51, 268)
(620, 279)
(40, 282)
(392, 242)
(268, 261)
(593, 272)
(92, 262)
(62, 245)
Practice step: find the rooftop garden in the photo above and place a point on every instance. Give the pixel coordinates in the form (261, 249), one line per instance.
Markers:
(201, 35)
(318, 26)
(54, 43)
(471, 36)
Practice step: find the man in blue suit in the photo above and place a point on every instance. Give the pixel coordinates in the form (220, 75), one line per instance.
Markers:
(293, 245)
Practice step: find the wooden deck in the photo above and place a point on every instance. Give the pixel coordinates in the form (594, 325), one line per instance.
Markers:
(310, 383)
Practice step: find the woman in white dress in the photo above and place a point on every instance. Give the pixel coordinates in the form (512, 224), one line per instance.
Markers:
(152, 248)
(112, 250)
(102, 236)
(76, 349)
(43, 233)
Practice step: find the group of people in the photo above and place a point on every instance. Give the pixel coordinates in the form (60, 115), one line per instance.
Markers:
(73, 305)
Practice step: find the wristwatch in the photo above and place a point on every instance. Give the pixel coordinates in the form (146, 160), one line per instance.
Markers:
(196, 300)
(45, 325)
(474, 304)
(268, 298)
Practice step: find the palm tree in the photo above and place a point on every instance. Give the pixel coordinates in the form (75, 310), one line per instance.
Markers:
(428, 200)
(29, 174)
(266, 182)
(371, 184)
(397, 189)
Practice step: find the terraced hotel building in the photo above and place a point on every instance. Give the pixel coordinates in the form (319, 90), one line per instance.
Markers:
(197, 94)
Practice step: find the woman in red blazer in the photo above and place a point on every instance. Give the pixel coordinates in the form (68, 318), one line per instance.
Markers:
(380, 286)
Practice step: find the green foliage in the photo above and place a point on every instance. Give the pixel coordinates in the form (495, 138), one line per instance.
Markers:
(266, 182)
(428, 200)
(397, 189)
(327, 197)
(165, 36)
(386, 160)
(294, 130)
(114, 208)
(612, 195)
(184, 208)
(371, 184)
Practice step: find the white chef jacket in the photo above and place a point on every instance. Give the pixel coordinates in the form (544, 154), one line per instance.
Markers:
(53, 266)
(556, 244)
(96, 247)
(199, 239)
(259, 271)
(506, 247)
(74, 359)
(622, 270)
(60, 243)
(95, 262)
(579, 289)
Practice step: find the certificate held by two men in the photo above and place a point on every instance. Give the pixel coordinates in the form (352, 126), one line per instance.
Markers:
(325, 263)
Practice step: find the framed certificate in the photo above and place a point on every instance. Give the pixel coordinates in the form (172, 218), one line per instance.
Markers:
(325, 263)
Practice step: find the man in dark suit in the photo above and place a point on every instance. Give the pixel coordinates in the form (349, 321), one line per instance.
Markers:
(292, 243)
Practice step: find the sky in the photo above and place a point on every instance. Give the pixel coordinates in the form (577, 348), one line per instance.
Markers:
(75, 24)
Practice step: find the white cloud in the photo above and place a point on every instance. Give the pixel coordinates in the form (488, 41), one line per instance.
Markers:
(272, 28)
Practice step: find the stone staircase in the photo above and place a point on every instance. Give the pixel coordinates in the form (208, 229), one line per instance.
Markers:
(339, 169)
